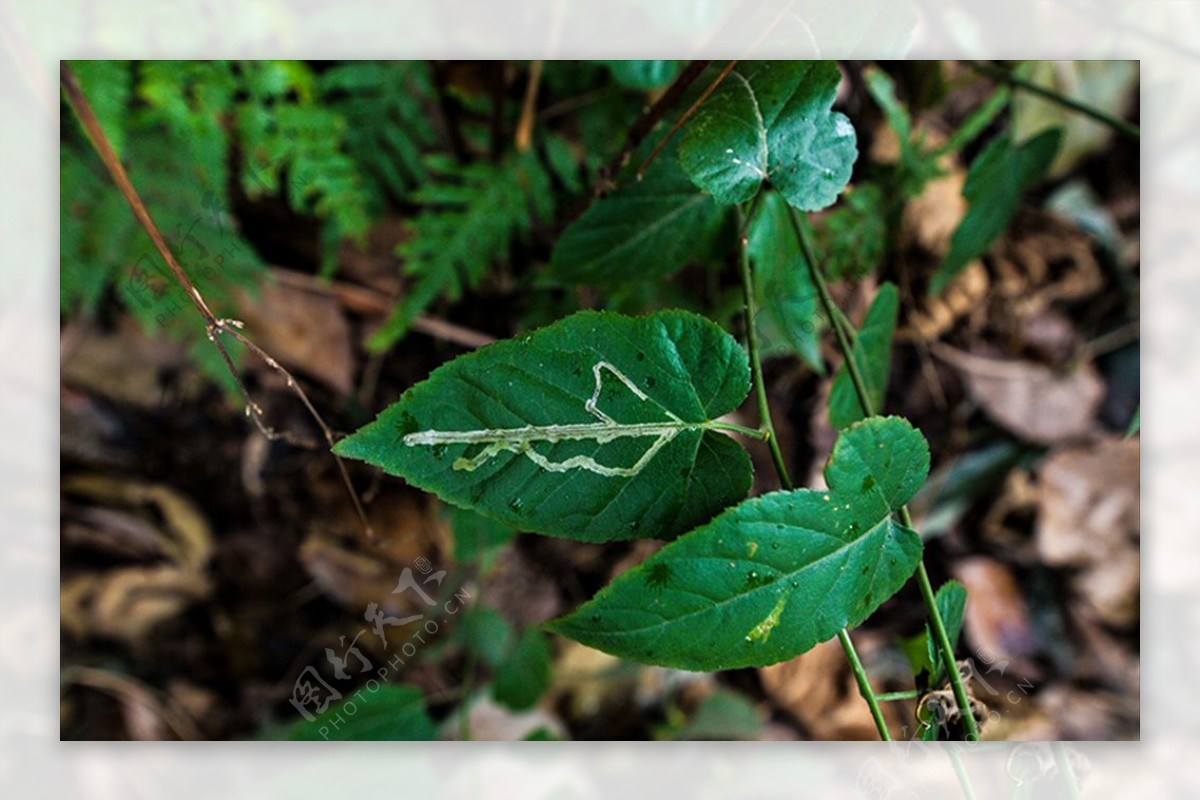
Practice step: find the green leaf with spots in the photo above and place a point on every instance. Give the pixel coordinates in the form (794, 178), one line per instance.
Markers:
(599, 427)
(872, 352)
(771, 121)
(775, 575)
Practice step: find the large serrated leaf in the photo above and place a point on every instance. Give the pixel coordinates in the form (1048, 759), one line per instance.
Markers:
(645, 230)
(599, 427)
(775, 575)
(770, 121)
(872, 353)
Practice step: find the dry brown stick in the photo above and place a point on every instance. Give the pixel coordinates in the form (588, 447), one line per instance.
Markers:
(687, 115)
(213, 326)
(524, 137)
(364, 300)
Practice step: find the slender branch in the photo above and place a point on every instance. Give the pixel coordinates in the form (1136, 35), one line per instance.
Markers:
(864, 684)
(760, 391)
(687, 115)
(646, 123)
(768, 428)
(756, 433)
(1007, 77)
(960, 770)
(214, 327)
(838, 322)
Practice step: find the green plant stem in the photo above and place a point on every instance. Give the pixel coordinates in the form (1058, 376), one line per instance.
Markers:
(960, 770)
(941, 638)
(760, 390)
(756, 433)
(764, 410)
(1063, 759)
(1006, 77)
(864, 684)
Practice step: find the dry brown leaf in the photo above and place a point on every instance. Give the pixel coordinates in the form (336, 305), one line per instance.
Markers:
(1089, 512)
(1089, 506)
(587, 679)
(303, 330)
(996, 619)
(522, 592)
(125, 364)
(185, 538)
(1029, 399)
(127, 604)
(931, 219)
(819, 690)
(489, 722)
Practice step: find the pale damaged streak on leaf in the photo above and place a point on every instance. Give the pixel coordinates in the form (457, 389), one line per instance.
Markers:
(521, 440)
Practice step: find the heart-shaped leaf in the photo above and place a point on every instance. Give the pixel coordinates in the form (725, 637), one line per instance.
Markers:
(775, 575)
(599, 427)
(770, 121)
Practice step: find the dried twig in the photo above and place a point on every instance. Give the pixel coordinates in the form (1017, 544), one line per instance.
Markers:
(687, 115)
(214, 327)
(606, 180)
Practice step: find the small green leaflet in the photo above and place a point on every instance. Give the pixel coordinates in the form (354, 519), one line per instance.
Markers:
(599, 427)
(775, 575)
(951, 600)
(787, 300)
(998, 178)
(642, 74)
(872, 352)
(771, 121)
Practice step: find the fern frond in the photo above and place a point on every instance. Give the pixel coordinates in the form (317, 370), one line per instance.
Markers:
(473, 215)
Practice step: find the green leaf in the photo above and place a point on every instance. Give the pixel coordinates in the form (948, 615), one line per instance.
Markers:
(476, 537)
(108, 86)
(786, 298)
(644, 230)
(523, 676)
(872, 352)
(392, 712)
(951, 601)
(775, 575)
(854, 234)
(599, 427)
(485, 632)
(998, 178)
(1135, 424)
(770, 121)
(921, 651)
(642, 74)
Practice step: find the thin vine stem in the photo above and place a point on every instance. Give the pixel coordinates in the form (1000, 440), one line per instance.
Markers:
(838, 323)
(214, 327)
(1004, 76)
(785, 480)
